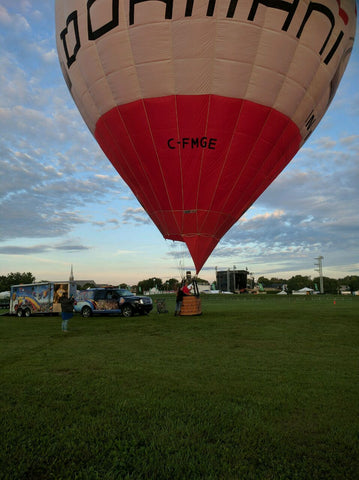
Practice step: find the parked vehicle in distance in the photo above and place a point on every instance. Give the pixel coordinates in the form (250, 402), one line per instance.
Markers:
(111, 301)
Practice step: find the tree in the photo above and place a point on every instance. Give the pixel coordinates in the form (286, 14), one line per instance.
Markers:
(352, 281)
(298, 281)
(146, 285)
(264, 281)
(331, 285)
(86, 286)
(15, 279)
(170, 284)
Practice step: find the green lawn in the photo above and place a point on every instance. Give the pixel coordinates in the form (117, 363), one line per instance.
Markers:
(256, 388)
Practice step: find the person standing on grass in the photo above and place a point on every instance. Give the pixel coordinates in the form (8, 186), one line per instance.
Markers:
(181, 292)
(67, 309)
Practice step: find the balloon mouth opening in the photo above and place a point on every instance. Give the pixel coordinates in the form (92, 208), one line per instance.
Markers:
(199, 246)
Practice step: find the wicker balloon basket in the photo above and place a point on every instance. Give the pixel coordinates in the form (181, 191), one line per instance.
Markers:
(191, 305)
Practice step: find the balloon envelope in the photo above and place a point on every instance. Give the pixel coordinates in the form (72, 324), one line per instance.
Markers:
(199, 105)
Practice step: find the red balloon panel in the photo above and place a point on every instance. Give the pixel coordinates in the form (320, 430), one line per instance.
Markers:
(197, 163)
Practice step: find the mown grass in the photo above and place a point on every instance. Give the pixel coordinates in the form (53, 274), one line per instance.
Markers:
(255, 388)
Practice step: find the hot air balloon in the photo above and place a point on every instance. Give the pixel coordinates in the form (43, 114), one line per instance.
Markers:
(200, 104)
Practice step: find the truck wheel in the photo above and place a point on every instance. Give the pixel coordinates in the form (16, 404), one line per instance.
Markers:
(127, 311)
(27, 312)
(19, 312)
(86, 312)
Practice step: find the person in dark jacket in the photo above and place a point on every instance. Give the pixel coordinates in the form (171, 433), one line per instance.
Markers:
(181, 292)
(67, 310)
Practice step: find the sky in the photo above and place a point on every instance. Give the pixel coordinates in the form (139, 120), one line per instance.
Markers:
(62, 203)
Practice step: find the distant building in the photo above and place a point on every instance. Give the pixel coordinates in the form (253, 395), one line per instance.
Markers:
(81, 283)
(231, 280)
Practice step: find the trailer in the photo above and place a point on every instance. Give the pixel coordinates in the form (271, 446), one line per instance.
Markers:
(39, 298)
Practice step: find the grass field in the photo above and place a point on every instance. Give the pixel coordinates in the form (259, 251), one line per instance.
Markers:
(255, 388)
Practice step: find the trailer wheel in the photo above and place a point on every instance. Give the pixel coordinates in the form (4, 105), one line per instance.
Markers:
(86, 312)
(19, 312)
(27, 312)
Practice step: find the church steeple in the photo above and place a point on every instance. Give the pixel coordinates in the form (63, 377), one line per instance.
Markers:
(71, 279)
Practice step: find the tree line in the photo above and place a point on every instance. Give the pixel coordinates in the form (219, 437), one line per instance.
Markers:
(331, 285)
(15, 279)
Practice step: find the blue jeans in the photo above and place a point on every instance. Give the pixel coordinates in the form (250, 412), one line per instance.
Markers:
(65, 318)
(178, 306)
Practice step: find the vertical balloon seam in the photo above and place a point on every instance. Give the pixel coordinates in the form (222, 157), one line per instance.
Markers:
(244, 96)
(313, 101)
(272, 176)
(125, 178)
(159, 163)
(153, 209)
(244, 165)
(214, 57)
(155, 148)
(201, 166)
(181, 165)
(285, 75)
(134, 63)
(260, 26)
(89, 86)
(274, 169)
(178, 151)
(252, 198)
(126, 161)
(223, 165)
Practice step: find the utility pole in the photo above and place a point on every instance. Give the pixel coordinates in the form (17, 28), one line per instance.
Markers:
(320, 270)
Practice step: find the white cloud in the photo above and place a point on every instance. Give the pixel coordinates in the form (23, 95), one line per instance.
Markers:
(15, 21)
(136, 216)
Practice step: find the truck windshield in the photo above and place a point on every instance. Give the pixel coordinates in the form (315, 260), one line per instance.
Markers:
(125, 293)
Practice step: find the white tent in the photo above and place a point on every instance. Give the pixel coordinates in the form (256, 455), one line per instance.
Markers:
(303, 291)
(4, 294)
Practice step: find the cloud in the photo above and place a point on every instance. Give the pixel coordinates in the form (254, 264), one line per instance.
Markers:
(14, 21)
(136, 216)
(37, 200)
(40, 249)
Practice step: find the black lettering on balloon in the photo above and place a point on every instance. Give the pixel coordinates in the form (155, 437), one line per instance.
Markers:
(66, 76)
(168, 13)
(279, 4)
(232, 8)
(337, 76)
(212, 143)
(317, 7)
(94, 34)
(310, 120)
(189, 8)
(72, 18)
(193, 142)
(334, 48)
(283, 5)
(210, 8)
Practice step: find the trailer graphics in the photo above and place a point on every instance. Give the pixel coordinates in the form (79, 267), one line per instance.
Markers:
(37, 298)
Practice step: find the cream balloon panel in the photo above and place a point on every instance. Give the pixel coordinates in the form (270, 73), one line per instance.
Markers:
(233, 57)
